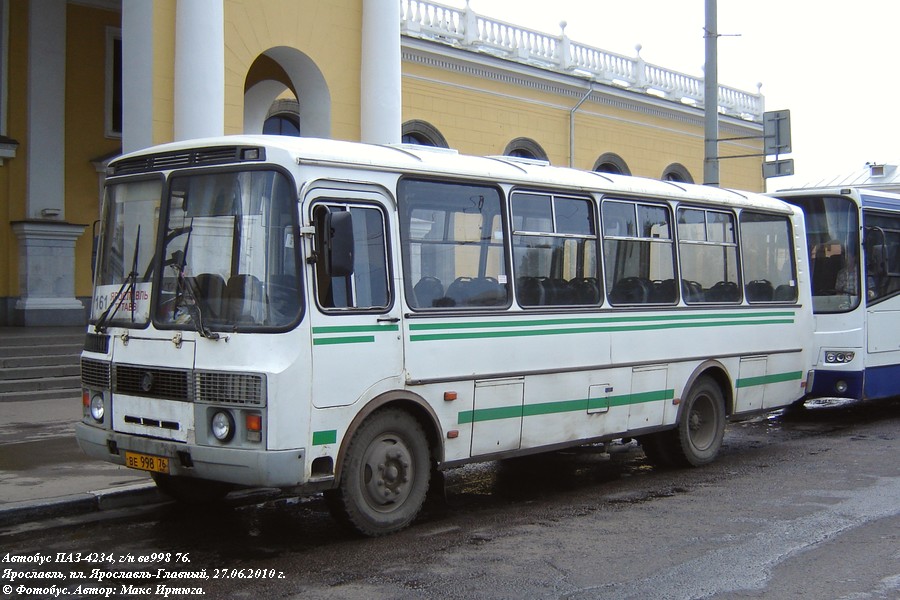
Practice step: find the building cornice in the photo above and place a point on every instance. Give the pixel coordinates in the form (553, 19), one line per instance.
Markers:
(485, 66)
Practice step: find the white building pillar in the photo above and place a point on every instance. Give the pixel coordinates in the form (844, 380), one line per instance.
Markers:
(199, 69)
(45, 150)
(380, 101)
(137, 75)
(46, 240)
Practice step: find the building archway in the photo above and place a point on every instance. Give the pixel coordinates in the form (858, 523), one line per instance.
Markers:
(678, 173)
(278, 74)
(523, 147)
(422, 133)
(610, 162)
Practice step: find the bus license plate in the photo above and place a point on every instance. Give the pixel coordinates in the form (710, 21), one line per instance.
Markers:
(147, 462)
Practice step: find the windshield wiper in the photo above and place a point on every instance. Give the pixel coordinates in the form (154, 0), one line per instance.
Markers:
(126, 288)
(186, 286)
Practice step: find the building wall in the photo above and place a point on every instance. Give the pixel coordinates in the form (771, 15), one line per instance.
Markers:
(327, 32)
(13, 172)
(86, 137)
(479, 115)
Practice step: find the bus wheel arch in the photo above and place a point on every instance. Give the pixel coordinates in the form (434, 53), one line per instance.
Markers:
(716, 371)
(703, 412)
(385, 468)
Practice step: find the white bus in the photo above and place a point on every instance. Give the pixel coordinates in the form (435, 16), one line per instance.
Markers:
(317, 315)
(853, 241)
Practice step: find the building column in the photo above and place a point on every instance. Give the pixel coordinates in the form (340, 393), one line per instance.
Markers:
(380, 100)
(46, 240)
(137, 75)
(199, 69)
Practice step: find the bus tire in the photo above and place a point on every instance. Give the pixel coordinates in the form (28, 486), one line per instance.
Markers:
(698, 436)
(385, 475)
(188, 490)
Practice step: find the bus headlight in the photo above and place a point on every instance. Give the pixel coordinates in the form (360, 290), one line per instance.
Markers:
(222, 426)
(833, 357)
(97, 407)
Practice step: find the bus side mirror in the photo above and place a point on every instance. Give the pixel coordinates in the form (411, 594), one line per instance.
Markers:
(338, 243)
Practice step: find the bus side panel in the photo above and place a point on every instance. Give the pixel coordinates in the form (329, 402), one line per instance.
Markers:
(882, 378)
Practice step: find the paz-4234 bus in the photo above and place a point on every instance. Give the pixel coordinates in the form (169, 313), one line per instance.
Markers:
(324, 316)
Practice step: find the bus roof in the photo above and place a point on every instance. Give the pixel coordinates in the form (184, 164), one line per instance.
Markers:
(426, 160)
(864, 197)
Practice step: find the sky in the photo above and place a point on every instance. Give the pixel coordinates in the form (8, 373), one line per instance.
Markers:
(834, 65)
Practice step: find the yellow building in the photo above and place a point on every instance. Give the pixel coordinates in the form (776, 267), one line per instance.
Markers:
(81, 81)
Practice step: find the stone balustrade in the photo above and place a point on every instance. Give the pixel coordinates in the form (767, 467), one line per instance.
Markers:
(466, 29)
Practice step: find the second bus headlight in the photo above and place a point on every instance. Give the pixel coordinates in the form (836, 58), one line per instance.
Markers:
(222, 426)
(838, 356)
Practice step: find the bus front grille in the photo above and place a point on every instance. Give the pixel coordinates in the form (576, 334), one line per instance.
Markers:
(95, 374)
(171, 384)
(232, 388)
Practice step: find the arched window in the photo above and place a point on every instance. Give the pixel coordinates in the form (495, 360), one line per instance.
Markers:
(611, 163)
(283, 118)
(677, 173)
(423, 134)
(525, 148)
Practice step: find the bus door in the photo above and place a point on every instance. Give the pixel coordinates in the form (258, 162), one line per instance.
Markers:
(882, 271)
(354, 315)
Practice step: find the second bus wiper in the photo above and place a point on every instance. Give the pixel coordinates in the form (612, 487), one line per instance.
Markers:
(125, 289)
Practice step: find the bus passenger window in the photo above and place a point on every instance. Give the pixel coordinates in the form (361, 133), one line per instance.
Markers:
(638, 253)
(452, 238)
(554, 250)
(707, 251)
(367, 288)
(767, 258)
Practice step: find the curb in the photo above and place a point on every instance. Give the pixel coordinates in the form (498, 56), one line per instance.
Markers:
(16, 513)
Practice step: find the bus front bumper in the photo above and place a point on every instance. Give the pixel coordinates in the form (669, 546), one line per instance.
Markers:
(252, 468)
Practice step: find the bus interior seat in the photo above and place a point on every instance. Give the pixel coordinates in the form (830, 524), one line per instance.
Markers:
(530, 291)
(630, 290)
(428, 291)
(692, 291)
(586, 290)
(210, 293)
(760, 290)
(724, 291)
(785, 293)
(487, 291)
(663, 292)
(244, 299)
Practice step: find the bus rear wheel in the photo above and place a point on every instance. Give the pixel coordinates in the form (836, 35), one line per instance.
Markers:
(698, 436)
(385, 475)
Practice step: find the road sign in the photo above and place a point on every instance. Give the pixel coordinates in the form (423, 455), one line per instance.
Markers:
(778, 168)
(777, 132)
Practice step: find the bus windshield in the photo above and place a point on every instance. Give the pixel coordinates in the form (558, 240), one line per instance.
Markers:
(228, 253)
(124, 269)
(832, 224)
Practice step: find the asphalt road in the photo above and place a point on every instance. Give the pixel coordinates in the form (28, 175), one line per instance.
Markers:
(803, 505)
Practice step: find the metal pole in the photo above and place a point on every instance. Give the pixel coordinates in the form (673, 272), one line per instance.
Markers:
(711, 98)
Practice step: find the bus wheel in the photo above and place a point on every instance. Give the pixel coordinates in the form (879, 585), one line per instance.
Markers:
(189, 490)
(385, 475)
(702, 425)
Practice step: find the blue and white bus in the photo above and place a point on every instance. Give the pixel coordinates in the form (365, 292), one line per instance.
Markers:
(853, 243)
(317, 315)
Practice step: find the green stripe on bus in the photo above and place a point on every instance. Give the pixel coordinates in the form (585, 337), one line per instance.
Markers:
(602, 329)
(349, 339)
(356, 329)
(359, 339)
(595, 320)
(764, 379)
(320, 438)
(564, 406)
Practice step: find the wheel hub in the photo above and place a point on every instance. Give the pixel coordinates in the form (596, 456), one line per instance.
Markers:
(387, 472)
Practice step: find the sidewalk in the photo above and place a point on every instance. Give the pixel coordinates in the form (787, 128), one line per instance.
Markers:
(43, 472)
